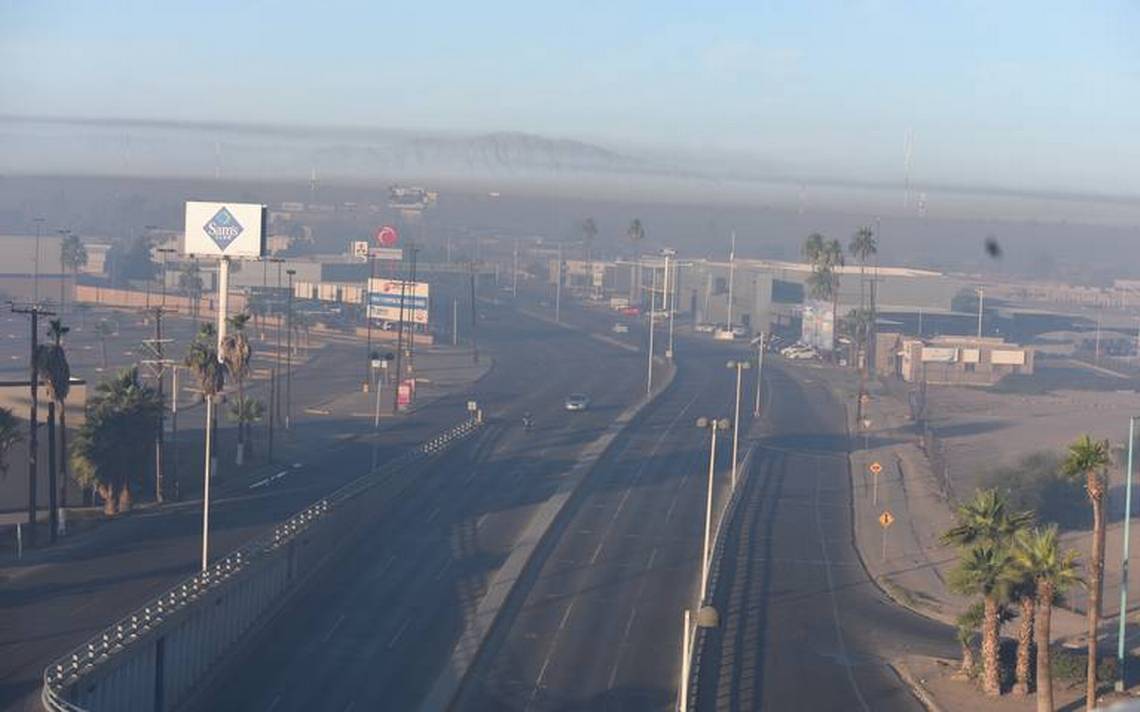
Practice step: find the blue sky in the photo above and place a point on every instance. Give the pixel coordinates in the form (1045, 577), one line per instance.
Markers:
(1024, 94)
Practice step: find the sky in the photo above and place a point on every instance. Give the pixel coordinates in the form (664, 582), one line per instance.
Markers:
(1031, 95)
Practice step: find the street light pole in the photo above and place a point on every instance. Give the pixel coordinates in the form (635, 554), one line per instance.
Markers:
(558, 289)
(368, 319)
(36, 266)
(289, 349)
(1120, 658)
(713, 425)
(759, 372)
(652, 314)
(740, 367)
(667, 298)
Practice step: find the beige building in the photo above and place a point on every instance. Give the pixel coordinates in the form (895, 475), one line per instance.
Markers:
(951, 360)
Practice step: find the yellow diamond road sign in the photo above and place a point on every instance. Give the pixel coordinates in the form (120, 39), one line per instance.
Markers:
(875, 468)
(886, 519)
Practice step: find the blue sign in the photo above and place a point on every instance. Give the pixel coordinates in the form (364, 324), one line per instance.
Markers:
(223, 228)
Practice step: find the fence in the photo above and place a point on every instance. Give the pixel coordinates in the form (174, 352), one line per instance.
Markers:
(157, 657)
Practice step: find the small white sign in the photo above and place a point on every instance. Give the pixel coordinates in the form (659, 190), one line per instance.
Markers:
(224, 229)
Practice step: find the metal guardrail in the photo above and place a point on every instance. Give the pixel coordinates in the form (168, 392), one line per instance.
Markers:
(142, 624)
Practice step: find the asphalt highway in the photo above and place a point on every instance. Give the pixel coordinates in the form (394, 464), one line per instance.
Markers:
(57, 598)
(378, 628)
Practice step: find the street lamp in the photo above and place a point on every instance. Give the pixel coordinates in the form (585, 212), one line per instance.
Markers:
(1124, 558)
(713, 425)
(289, 350)
(63, 235)
(667, 297)
(164, 251)
(368, 317)
(740, 366)
(758, 342)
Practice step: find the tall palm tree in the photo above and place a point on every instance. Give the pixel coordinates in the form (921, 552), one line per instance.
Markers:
(983, 571)
(202, 361)
(122, 415)
(863, 244)
(966, 627)
(56, 372)
(236, 355)
(986, 519)
(1039, 556)
(1089, 458)
(245, 412)
(636, 231)
(813, 248)
(72, 255)
(1023, 592)
(10, 436)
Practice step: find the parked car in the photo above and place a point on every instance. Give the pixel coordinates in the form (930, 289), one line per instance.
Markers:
(704, 328)
(739, 331)
(577, 401)
(620, 328)
(630, 311)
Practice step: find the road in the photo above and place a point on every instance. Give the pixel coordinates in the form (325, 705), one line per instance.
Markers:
(600, 627)
(57, 598)
(377, 630)
(803, 627)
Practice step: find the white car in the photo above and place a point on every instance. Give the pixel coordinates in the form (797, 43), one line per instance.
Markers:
(704, 328)
(620, 329)
(577, 401)
(739, 331)
(806, 353)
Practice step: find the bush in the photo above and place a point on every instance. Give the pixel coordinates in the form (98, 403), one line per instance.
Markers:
(1036, 484)
(1070, 665)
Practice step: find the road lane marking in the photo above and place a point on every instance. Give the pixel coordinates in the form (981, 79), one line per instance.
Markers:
(433, 514)
(831, 591)
(652, 557)
(273, 705)
(479, 521)
(621, 645)
(549, 654)
(396, 637)
(328, 636)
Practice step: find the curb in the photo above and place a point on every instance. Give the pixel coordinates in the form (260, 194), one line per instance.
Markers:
(923, 695)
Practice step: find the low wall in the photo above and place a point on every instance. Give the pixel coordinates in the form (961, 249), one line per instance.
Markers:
(161, 656)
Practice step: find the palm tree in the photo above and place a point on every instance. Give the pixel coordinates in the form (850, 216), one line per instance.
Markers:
(966, 627)
(635, 232)
(10, 436)
(986, 520)
(245, 412)
(55, 372)
(983, 571)
(72, 255)
(115, 437)
(1039, 556)
(863, 244)
(1023, 591)
(813, 248)
(202, 361)
(104, 330)
(1089, 458)
(236, 354)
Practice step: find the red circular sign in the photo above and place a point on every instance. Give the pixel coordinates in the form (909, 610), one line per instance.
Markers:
(387, 236)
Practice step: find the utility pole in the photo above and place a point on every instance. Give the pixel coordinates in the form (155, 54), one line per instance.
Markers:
(981, 302)
(33, 425)
(289, 348)
(667, 298)
(731, 276)
(164, 251)
(1120, 648)
(652, 311)
(158, 367)
(759, 373)
(454, 322)
(368, 320)
(558, 289)
(474, 319)
(275, 386)
(515, 273)
(63, 234)
(399, 349)
(412, 329)
(36, 290)
(174, 431)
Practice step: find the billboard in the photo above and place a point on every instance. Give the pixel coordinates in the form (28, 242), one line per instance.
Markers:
(818, 327)
(224, 229)
(384, 300)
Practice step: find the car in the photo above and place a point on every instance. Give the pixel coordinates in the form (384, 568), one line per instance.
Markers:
(577, 401)
(620, 328)
(724, 335)
(804, 353)
(630, 311)
(704, 328)
(739, 331)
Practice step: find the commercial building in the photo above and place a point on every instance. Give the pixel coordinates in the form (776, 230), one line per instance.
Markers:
(951, 360)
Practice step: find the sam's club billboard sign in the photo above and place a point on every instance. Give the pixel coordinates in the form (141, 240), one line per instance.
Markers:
(225, 229)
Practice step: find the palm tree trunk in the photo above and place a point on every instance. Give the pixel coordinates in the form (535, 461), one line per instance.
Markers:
(1024, 645)
(967, 668)
(62, 454)
(126, 501)
(110, 499)
(240, 424)
(1044, 671)
(1096, 583)
(991, 679)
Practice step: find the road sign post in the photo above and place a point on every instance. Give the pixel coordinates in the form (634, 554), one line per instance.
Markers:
(886, 519)
(875, 469)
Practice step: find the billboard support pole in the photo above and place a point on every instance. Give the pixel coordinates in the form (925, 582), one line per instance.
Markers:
(223, 300)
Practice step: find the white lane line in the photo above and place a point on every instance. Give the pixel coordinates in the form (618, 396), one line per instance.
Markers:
(384, 569)
(621, 645)
(443, 569)
(637, 478)
(433, 514)
(396, 637)
(652, 558)
(672, 506)
(273, 705)
(549, 655)
(831, 592)
(328, 636)
(349, 706)
(479, 521)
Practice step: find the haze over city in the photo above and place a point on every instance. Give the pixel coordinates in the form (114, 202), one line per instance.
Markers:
(526, 356)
